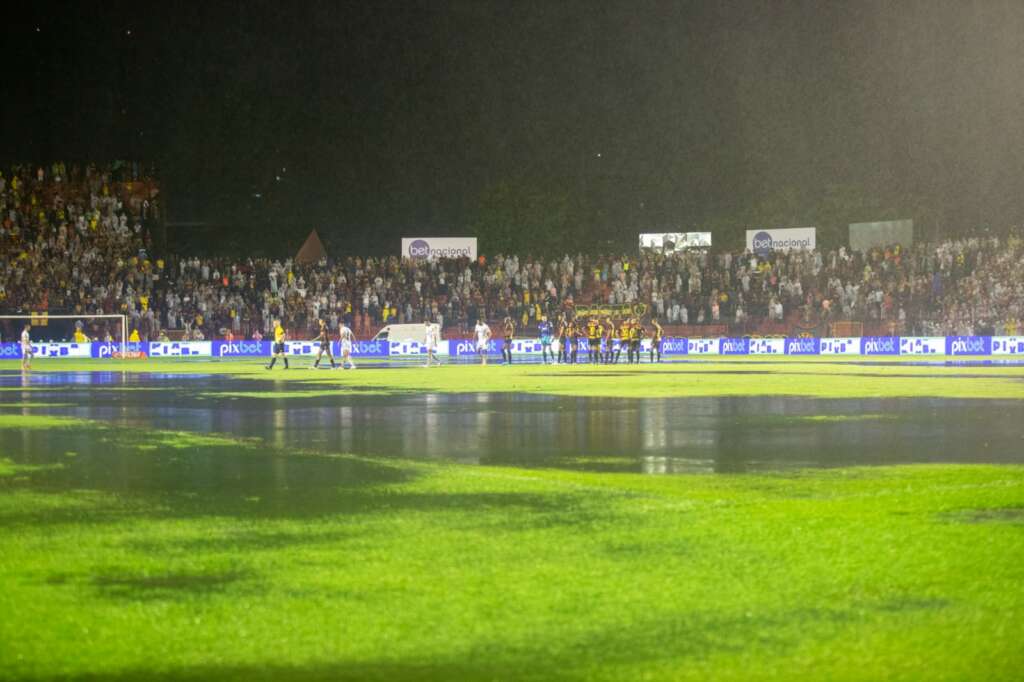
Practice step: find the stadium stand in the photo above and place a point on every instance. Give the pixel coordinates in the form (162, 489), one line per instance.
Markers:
(78, 241)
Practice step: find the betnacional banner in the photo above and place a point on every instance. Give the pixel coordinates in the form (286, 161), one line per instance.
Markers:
(431, 248)
(763, 241)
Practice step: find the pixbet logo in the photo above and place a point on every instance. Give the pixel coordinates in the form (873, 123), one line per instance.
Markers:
(881, 345)
(9, 350)
(968, 345)
(801, 347)
(419, 249)
(240, 348)
(762, 243)
(674, 346)
(734, 346)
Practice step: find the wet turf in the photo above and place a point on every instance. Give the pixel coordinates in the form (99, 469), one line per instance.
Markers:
(173, 528)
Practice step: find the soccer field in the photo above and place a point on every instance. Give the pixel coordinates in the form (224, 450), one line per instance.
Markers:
(732, 519)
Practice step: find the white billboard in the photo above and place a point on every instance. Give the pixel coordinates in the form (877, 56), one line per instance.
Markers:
(675, 241)
(764, 241)
(431, 248)
(863, 236)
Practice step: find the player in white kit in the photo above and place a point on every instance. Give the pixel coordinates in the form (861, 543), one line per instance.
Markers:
(346, 346)
(431, 334)
(26, 348)
(483, 336)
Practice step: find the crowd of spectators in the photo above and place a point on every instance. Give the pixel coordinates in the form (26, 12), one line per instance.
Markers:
(76, 241)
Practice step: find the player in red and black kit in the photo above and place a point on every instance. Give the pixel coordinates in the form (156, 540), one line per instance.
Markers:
(606, 340)
(508, 328)
(656, 339)
(573, 332)
(594, 340)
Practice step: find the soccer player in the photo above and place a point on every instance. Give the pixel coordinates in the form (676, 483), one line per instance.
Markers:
(623, 340)
(430, 338)
(545, 339)
(483, 336)
(563, 339)
(508, 328)
(656, 339)
(279, 336)
(325, 345)
(606, 340)
(346, 337)
(26, 348)
(573, 331)
(594, 332)
(636, 333)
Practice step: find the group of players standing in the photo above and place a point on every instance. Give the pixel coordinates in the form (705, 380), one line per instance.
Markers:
(562, 341)
(600, 339)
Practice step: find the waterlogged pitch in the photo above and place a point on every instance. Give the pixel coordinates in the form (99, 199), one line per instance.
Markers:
(735, 519)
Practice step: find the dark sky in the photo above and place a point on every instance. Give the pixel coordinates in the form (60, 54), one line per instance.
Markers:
(393, 118)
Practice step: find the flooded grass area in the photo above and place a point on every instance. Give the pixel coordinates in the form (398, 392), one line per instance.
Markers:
(192, 527)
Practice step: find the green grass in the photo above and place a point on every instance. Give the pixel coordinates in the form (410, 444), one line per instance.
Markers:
(362, 569)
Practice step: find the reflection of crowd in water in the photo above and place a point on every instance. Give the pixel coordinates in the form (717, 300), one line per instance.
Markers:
(75, 239)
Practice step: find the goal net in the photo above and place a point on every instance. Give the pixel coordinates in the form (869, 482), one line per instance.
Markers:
(54, 332)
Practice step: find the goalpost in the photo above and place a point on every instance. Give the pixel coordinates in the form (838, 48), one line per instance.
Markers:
(43, 319)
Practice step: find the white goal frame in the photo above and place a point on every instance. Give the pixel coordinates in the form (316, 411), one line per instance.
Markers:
(36, 316)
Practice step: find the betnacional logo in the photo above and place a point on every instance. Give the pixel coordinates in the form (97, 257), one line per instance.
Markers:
(762, 243)
(419, 248)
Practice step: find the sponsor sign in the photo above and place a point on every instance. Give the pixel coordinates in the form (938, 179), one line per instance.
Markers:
(241, 349)
(702, 346)
(47, 349)
(365, 349)
(1008, 345)
(968, 345)
(734, 346)
(880, 345)
(804, 345)
(763, 242)
(922, 345)
(674, 346)
(176, 349)
(407, 348)
(467, 347)
(840, 346)
(669, 242)
(430, 248)
(766, 346)
(9, 351)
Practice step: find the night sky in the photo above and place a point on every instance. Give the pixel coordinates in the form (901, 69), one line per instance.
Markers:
(374, 120)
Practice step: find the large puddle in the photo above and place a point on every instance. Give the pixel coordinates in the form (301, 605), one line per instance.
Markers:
(656, 436)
